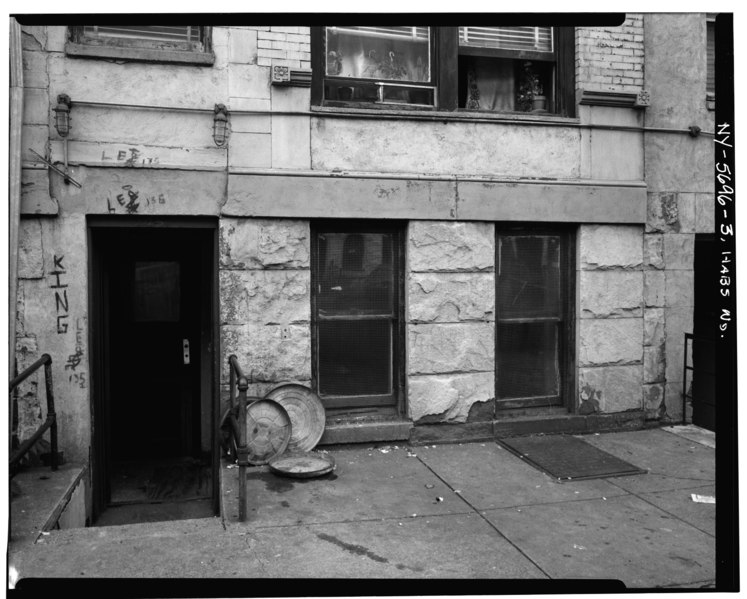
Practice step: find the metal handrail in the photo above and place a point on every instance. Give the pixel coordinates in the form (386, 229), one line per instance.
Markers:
(51, 420)
(237, 430)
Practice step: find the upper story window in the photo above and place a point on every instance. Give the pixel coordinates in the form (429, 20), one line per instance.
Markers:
(496, 69)
(152, 43)
(711, 56)
(389, 65)
(506, 68)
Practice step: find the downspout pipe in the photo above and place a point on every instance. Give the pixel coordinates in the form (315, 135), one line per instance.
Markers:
(14, 190)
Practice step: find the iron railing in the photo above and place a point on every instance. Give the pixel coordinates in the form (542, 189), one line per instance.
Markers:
(51, 421)
(237, 426)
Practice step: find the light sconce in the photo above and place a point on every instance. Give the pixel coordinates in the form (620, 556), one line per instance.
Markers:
(62, 115)
(220, 125)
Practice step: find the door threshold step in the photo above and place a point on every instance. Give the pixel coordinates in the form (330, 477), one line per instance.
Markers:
(362, 431)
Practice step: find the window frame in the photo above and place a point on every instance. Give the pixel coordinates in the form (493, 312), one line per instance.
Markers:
(80, 44)
(445, 77)
(381, 403)
(567, 326)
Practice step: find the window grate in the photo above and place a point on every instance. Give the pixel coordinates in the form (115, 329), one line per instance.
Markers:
(537, 39)
(184, 34)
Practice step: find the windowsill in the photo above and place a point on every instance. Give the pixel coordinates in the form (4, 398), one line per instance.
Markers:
(433, 114)
(140, 54)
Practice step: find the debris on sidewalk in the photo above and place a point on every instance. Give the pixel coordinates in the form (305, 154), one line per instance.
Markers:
(703, 498)
(429, 486)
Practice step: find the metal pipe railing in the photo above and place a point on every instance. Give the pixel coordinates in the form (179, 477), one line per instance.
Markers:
(238, 426)
(51, 421)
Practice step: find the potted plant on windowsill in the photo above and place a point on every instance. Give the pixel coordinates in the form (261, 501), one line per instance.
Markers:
(531, 96)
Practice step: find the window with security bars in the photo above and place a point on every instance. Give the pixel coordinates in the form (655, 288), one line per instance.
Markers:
(533, 324)
(356, 323)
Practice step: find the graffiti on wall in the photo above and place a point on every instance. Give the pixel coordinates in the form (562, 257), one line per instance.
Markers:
(77, 377)
(61, 302)
(130, 201)
(129, 157)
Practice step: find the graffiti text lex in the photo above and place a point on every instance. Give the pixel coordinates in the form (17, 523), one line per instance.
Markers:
(61, 303)
(131, 200)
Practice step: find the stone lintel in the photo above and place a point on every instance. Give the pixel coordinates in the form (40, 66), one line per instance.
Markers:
(350, 196)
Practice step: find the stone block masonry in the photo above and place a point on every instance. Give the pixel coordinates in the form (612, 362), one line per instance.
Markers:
(450, 321)
(265, 299)
(612, 328)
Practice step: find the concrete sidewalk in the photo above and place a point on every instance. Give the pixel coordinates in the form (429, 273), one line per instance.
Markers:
(463, 511)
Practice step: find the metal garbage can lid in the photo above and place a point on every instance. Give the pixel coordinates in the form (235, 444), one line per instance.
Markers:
(302, 465)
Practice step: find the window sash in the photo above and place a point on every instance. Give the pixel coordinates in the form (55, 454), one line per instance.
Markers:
(370, 314)
(533, 279)
(711, 56)
(164, 33)
(535, 39)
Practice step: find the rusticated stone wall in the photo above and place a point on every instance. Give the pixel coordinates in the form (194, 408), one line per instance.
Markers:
(611, 357)
(451, 321)
(265, 300)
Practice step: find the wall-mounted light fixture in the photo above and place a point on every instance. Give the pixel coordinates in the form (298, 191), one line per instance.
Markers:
(220, 125)
(62, 115)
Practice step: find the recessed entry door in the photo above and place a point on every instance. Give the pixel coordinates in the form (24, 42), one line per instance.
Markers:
(152, 306)
(356, 316)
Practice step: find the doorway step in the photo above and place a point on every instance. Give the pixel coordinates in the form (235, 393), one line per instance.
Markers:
(43, 499)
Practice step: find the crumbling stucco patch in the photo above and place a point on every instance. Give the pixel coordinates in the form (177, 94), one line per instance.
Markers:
(663, 213)
(616, 388)
(449, 398)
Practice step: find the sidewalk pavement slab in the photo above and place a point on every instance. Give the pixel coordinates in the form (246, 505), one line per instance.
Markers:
(672, 462)
(379, 515)
(489, 476)
(366, 484)
(680, 503)
(623, 538)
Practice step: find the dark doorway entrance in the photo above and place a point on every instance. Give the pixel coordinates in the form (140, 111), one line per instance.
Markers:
(704, 328)
(153, 307)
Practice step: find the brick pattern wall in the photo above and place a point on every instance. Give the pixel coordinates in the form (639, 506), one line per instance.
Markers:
(286, 46)
(611, 58)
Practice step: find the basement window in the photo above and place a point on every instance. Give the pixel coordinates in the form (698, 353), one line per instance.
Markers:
(148, 43)
(356, 320)
(533, 327)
